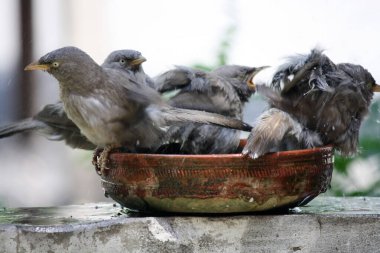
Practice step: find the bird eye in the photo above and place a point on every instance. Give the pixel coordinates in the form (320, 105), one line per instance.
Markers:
(55, 64)
(122, 61)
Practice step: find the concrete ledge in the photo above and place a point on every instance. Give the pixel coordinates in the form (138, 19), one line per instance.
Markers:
(326, 225)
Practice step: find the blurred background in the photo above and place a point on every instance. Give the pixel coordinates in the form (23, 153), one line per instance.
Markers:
(38, 172)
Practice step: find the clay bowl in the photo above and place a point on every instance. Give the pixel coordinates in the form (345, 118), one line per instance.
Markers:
(228, 183)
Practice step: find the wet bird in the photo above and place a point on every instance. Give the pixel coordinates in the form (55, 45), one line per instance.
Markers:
(53, 122)
(223, 91)
(111, 108)
(314, 102)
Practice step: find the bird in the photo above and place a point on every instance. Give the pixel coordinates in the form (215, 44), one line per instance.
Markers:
(111, 108)
(131, 61)
(223, 91)
(53, 122)
(313, 102)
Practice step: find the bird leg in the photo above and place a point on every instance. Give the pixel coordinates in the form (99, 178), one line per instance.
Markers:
(103, 158)
(95, 160)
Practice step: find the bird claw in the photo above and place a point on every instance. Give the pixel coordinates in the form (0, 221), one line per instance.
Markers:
(251, 154)
(254, 155)
(95, 160)
(101, 158)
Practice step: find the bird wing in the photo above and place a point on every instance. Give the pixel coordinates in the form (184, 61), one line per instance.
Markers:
(182, 78)
(60, 127)
(203, 102)
(200, 90)
(131, 90)
(55, 116)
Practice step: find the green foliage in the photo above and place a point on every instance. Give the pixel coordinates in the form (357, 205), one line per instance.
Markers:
(341, 163)
(225, 45)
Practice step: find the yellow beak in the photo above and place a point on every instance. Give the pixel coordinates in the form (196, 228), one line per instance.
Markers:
(250, 82)
(36, 66)
(376, 88)
(138, 61)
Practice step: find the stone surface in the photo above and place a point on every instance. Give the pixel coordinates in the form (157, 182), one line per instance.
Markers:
(326, 225)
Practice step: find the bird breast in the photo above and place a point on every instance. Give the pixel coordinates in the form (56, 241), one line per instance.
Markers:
(96, 117)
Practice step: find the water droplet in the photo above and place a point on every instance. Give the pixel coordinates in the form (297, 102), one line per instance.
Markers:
(297, 210)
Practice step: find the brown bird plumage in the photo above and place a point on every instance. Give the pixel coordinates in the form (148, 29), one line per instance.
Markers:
(223, 91)
(322, 103)
(110, 107)
(52, 121)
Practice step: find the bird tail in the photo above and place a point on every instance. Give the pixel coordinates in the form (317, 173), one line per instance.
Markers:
(276, 130)
(19, 127)
(175, 115)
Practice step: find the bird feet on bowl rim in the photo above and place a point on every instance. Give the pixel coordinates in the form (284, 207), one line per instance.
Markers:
(253, 149)
(100, 159)
(95, 159)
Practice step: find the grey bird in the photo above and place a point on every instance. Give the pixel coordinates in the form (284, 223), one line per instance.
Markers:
(131, 61)
(53, 122)
(111, 108)
(223, 91)
(314, 102)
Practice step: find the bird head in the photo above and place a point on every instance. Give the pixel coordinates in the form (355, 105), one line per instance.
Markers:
(65, 63)
(364, 81)
(251, 84)
(238, 76)
(125, 60)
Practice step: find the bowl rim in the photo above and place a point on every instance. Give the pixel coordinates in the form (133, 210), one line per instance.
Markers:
(297, 152)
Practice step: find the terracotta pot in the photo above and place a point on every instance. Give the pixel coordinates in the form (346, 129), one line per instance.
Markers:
(217, 183)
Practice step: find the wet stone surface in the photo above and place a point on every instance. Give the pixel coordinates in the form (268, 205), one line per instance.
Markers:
(55, 216)
(326, 224)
